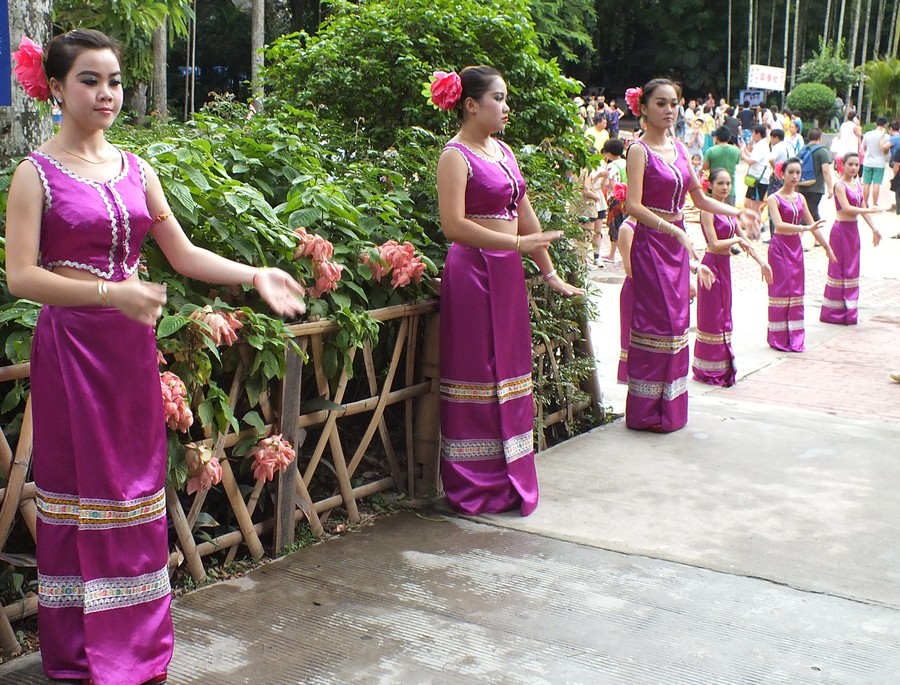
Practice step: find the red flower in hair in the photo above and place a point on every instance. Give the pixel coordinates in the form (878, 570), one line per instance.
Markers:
(633, 98)
(445, 89)
(29, 69)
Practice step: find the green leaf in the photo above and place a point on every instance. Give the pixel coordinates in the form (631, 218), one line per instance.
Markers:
(170, 324)
(254, 419)
(205, 520)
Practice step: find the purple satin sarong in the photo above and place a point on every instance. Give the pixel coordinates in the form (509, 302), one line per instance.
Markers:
(713, 354)
(658, 358)
(626, 301)
(487, 408)
(786, 292)
(100, 469)
(841, 301)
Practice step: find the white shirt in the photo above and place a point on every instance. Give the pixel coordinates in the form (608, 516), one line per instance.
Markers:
(759, 165)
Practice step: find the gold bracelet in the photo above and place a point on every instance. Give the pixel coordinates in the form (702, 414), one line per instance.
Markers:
(518, 243)
(103, 292)
(659, 221)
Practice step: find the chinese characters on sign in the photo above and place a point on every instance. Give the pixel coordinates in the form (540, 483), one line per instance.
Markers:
(765, 77)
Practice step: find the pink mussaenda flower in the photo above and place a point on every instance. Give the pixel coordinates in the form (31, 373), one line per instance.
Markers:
(29, 69)
(403, 264)
(224, 325)
(204, 469)
(379, 270)
(633, 98)
(177, 411)
(327, 276)
(270, 455)
(446, 87)
(313, 245)
(410, 272)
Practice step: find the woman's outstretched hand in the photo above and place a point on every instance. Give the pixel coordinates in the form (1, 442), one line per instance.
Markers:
(751, 222)
(705, 276)
(682, 237)
(563, 288)
(280, 291)
(530, 242)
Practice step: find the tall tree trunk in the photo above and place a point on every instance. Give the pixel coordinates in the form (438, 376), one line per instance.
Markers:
(892, 34)
(749, 34)
(863, 59)
(785, 46)
(728, 68)
(840, 27)
(796, 47)
(827, 20)
(879, 24)
(23, 126)
(771, 30)
(854, 36)
(160, 81)
(137, 102)
(257, 40)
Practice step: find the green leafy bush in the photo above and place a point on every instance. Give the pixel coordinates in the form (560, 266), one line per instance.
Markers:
(813, 100)
(829, 66)
(366, 66)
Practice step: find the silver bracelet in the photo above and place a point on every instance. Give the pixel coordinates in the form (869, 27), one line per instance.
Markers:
(550, 275)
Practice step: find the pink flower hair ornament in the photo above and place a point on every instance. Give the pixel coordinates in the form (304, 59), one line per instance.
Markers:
(633, 98)
(444, 89)
(29, 70)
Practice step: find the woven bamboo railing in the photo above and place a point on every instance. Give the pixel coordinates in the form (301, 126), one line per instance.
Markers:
(410, 381)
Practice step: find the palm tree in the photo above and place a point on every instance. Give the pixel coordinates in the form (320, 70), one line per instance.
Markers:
(865, 47)
(883, 77)
(893, 38)
(855, 35)
(876, 47)
(840, 26)
(796, 43)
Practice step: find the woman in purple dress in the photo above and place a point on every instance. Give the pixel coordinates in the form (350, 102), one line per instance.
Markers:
(659, 180)
(791, 217)
(78, 212)
(841, 300)
(487, 410)
(713, 355)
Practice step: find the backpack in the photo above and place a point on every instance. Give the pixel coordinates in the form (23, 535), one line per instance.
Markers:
(807, 171)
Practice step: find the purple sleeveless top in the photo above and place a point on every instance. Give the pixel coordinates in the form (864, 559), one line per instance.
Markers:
(96, 227)
(666, 184)
(791, 212)
(495, 187)
(724, 226)
(854, 195)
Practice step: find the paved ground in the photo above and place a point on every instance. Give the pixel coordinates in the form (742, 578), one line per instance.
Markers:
(757, 545)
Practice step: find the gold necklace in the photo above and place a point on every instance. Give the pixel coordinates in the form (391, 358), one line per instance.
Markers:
(490, 155)
(74, 154)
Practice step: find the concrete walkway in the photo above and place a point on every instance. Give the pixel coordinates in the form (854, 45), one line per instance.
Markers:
(759, 544)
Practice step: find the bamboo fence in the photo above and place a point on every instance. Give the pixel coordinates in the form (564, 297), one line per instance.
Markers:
(409, 381)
